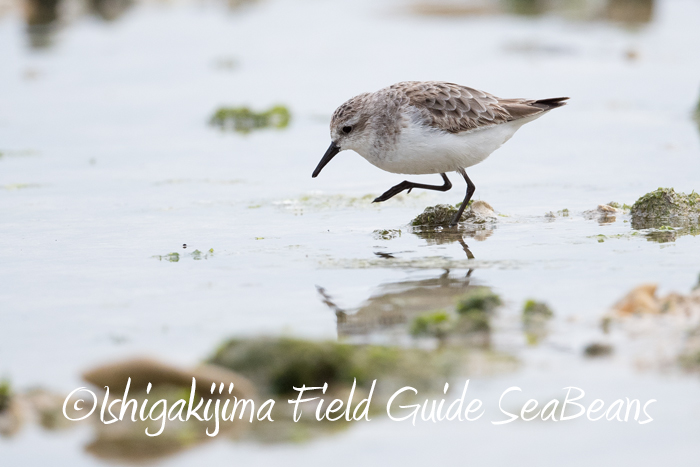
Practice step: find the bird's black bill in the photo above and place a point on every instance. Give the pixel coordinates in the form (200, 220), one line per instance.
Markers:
(333, 149)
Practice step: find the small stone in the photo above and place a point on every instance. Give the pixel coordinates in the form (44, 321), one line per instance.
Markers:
(641, 299)
(597, 350)
(605, 208)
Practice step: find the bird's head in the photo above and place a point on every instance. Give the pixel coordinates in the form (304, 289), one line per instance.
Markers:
(348, 127)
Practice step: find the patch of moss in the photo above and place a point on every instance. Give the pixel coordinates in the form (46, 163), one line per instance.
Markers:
(386, 234)
(245, 120)
(433, 324)
(5, 394)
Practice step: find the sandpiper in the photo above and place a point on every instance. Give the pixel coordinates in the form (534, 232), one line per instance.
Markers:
(427, 127)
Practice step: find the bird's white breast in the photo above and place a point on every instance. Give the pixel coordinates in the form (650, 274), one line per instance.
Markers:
(421, 149)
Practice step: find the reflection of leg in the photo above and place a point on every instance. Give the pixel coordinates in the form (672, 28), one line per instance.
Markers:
(470, 255)
(384, 255)
(466, 249)
(406, 185)
(328, 301)
(471, 188)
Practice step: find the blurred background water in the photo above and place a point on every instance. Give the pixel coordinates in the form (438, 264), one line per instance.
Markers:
(109, 163)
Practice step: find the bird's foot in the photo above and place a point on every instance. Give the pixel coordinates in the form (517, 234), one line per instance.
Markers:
(393, 191)
(455, 219)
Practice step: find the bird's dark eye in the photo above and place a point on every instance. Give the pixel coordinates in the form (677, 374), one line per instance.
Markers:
(347, 129)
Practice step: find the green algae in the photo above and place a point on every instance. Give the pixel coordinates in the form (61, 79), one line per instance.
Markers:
(438, 215)
(535, 316)
(5, 394)
(480, 299)
(561, 213)
(477, 212)
(434, 324)
(175, 257)
(476, 309)
(616, 205)
(244, 120)
(534, 310)
(386, 234)
(665, 207)
(667, 215)
(277, 365)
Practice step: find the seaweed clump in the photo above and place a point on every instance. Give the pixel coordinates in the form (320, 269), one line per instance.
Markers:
(478, 212)
(473, 320)
(435, 323)
(245, 120)
(664, 206)
(536, 311)
(278, 365)
(438, 215)
(477, 307)
(386, 234)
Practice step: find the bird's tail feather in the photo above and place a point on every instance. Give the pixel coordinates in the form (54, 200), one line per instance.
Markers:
(551, 103)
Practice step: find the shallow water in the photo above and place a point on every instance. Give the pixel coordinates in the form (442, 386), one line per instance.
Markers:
(108, 162)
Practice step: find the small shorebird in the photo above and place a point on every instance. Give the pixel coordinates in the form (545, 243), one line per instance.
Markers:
(427, 127)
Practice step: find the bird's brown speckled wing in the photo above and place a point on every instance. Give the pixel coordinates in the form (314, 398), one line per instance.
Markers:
(455, 108)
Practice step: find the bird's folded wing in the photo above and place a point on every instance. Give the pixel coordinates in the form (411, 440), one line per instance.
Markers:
(455, 108)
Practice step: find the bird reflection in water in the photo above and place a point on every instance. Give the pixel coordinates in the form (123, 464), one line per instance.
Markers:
(395, 304)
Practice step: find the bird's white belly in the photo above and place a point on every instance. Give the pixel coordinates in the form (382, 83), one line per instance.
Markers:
(421, 150)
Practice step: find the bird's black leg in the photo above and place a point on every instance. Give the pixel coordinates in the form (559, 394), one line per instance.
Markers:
(471, 188)
(406, 185)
